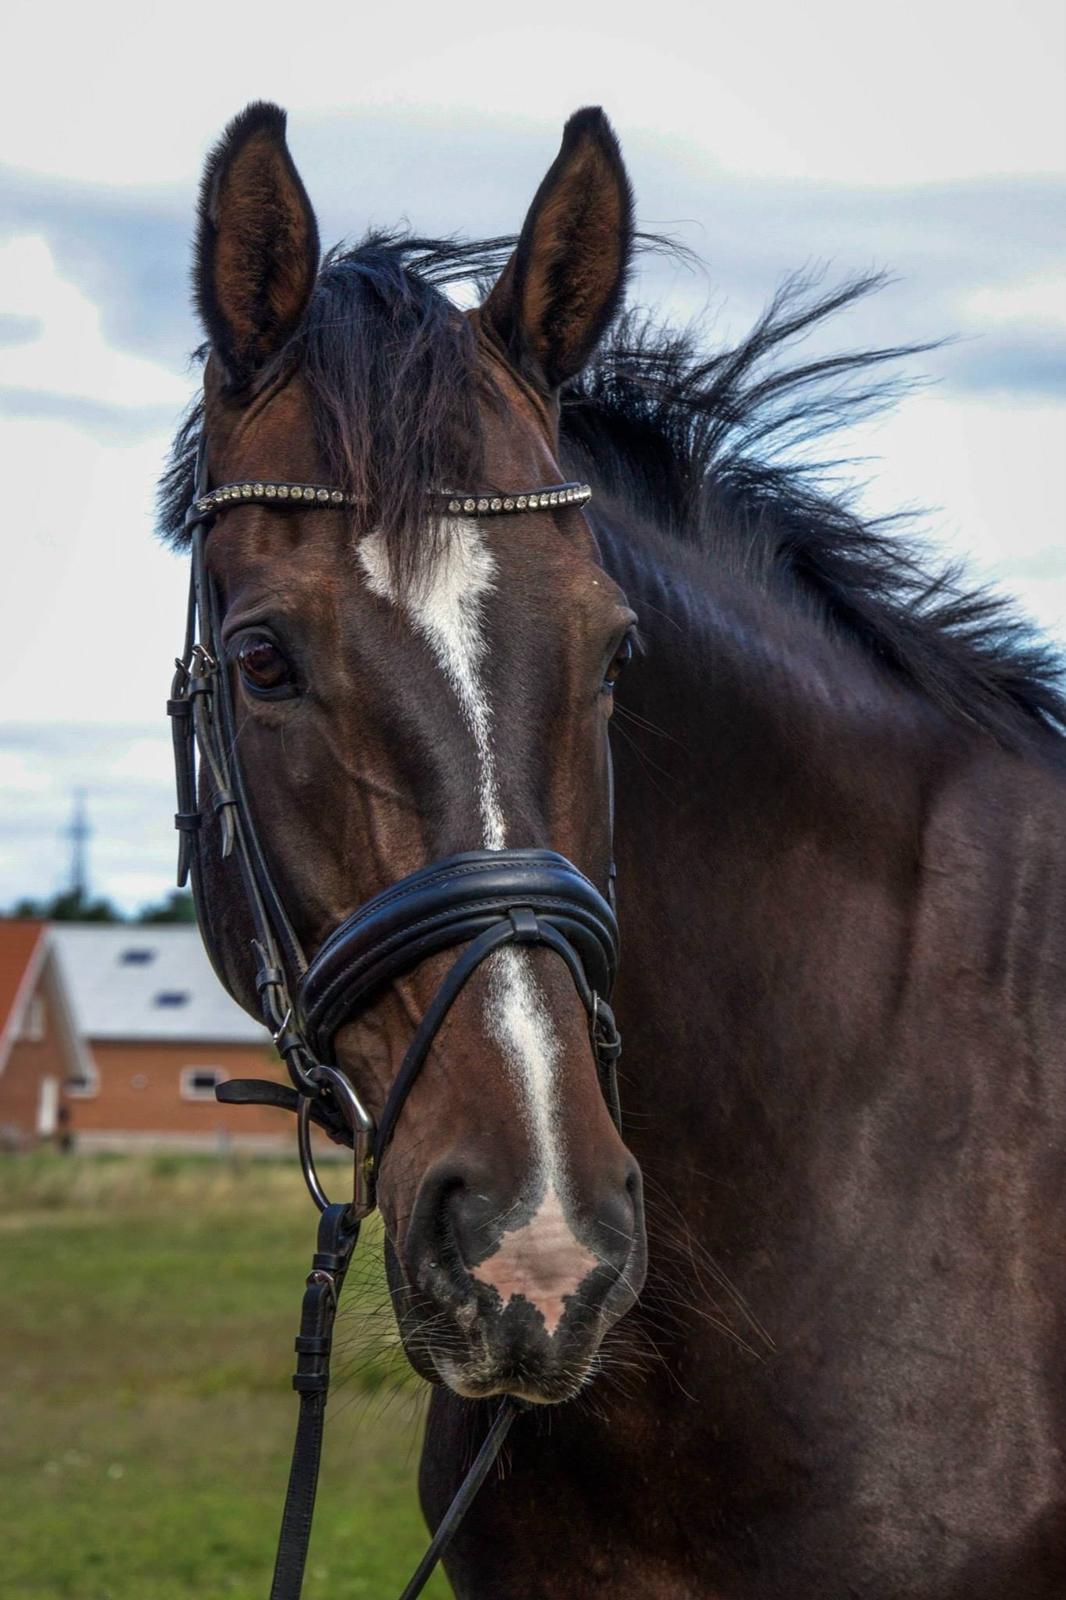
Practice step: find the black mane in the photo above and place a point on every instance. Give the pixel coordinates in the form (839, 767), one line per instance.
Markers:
(713, 448)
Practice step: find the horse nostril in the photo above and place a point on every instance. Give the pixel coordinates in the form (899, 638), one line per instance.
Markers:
(615, 1225)
(455, 1221)
(429, 1237)
(473, 1214)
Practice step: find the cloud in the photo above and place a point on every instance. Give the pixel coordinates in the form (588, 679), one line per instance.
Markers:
(1021, 364)
(923, 91)
(68, 362)
(19, 330)
(109, 424)
(1037, 299)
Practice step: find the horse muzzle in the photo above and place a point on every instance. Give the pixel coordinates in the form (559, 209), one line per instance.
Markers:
(520, 1309)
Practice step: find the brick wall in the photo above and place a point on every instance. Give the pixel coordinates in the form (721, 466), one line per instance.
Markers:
(140, 1091)
(31, 1060)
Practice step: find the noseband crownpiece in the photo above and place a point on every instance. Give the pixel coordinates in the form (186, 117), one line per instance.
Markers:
(482, 900)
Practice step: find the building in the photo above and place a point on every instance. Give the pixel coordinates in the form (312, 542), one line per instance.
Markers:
(42, 1054)
(118, 1036)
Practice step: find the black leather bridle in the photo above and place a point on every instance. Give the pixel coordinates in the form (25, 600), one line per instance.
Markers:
(481, 900)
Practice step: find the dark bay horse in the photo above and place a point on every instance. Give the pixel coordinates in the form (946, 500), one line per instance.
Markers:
(840, 813)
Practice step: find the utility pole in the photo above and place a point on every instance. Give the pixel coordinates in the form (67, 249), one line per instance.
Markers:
(79, 833)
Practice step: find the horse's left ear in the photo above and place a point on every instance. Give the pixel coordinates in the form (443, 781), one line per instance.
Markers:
(564, 283)
(257, 244)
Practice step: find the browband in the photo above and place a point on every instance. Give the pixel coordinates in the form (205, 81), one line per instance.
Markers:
(325, 497)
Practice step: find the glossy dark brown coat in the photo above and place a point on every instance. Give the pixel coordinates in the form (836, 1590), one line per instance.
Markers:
(844, 999)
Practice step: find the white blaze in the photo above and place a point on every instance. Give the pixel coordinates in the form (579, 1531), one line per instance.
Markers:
(445, 607)
(523, 1025)
(542, 1261)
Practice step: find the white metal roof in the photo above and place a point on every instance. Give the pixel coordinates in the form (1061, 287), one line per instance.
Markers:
(133, 982)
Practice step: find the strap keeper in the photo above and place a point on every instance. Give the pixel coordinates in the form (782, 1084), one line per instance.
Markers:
(609, 1051)
(523, 920)
(310, 1382)
(312, 1344)
(286, 1041)
(188, 821)
(179, 708)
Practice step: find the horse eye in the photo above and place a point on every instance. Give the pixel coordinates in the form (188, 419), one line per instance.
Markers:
(263, 667)
(618, 661)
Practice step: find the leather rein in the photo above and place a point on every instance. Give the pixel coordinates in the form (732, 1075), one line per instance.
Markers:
(481, 901)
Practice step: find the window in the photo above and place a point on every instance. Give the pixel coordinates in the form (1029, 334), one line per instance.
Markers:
(33, 1020)
(198, 1083)
(136, 956)
(172, 997)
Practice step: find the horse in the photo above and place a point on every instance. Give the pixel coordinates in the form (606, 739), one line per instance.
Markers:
(795, 1326)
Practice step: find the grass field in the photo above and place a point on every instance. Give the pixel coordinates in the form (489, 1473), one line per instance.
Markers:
(147, 1312)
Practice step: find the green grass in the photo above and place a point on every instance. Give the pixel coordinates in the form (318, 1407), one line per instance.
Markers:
(146, 1323)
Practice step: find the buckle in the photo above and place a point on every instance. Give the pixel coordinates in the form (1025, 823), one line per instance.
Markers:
(281, 1027)
(606, 1039)
(361, 1125)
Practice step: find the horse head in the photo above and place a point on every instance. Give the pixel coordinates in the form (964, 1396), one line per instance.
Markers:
(415, 679)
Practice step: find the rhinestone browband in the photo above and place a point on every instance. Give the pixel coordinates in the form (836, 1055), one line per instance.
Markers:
(317, 496)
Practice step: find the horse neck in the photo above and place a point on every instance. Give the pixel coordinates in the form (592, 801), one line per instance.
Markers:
(772, 789)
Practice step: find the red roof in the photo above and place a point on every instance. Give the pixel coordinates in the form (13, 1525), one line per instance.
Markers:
(21, 946)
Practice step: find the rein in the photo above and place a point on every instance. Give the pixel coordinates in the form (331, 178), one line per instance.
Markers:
(481, 901)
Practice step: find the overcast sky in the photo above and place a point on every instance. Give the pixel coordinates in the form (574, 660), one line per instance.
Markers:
(927, 139)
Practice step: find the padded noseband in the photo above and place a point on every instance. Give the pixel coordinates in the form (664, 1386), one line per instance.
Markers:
(482, 900)
(447, 903)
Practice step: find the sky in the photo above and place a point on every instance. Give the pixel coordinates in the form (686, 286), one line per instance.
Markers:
(926, 139)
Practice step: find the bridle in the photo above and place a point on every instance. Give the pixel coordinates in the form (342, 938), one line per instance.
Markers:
(482, 900)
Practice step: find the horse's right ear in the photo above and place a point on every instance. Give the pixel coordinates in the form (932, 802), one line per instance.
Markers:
(257, 244)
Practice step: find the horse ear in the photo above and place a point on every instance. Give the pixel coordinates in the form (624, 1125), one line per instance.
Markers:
(565, 281)
(257, 243)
